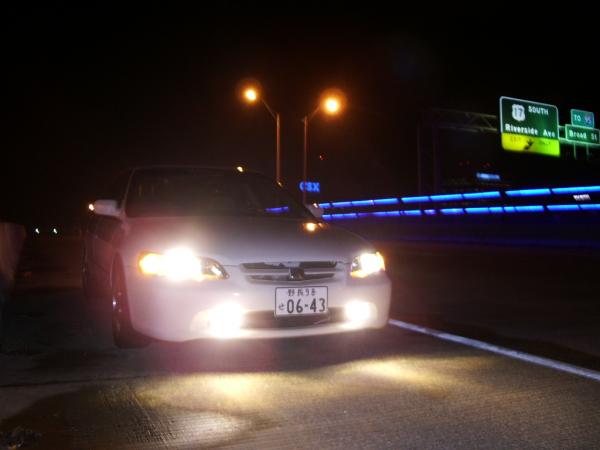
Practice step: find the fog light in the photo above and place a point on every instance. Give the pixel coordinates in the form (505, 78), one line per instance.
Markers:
(357, 311)
(225, 320)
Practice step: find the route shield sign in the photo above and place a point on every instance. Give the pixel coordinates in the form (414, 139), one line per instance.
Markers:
(529, 127)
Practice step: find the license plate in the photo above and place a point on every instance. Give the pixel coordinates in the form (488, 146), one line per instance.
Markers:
(300, 301)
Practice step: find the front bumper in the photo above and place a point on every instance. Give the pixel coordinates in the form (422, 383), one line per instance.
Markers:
(172, 311)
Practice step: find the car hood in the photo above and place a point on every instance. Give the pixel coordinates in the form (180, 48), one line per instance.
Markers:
(236, 240)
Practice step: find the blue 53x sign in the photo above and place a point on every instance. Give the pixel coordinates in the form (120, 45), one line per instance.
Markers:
(311, 186)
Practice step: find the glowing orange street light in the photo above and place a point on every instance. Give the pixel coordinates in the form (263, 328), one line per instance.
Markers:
(332, 103)
(251, 94)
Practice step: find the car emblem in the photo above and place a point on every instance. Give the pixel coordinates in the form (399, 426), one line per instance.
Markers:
(296, 274)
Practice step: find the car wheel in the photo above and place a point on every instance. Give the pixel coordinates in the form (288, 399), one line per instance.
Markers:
(124, 336)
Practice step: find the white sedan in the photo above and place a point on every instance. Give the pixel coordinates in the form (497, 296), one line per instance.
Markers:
(191, 253)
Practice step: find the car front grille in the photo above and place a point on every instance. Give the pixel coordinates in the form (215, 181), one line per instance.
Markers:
(260, 320)
(291, 271)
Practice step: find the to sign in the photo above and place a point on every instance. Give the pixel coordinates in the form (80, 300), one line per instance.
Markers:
(582, 118)
(528, 126)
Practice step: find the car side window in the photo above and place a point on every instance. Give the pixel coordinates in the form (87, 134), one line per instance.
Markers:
(116, 190)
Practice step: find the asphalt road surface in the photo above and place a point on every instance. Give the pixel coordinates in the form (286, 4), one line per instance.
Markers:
(62, 378)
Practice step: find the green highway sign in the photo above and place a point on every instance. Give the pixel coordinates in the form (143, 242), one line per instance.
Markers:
(528, 126)
(582, 118)
(582, 135)
(528, 118)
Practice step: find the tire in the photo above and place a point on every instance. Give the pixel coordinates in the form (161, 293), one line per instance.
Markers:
(124, 336)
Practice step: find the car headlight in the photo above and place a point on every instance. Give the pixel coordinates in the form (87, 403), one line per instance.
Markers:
(367, 264)
(180, 264)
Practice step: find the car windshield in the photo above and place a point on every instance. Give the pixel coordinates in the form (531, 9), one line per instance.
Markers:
(206, 192)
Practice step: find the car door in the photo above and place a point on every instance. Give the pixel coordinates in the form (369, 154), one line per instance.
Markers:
(103, 245)
(107, 228)
(88, 245)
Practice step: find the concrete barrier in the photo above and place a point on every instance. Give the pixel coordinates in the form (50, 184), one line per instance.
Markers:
(581, 230)
(12, 237)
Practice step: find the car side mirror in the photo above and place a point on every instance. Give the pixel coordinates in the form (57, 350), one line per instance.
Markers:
(315, 210)
(106, 208)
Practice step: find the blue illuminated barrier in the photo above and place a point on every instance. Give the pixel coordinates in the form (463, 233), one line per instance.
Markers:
(507, 196)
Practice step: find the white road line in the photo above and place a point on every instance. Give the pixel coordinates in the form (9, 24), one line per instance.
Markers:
(557, 365)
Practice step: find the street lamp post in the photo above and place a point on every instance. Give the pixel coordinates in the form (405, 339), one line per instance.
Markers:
(251, 94)
(275, 116)
(331, 103)
(304, 159)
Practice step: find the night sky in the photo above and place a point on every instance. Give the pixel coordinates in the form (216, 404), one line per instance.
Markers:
(94, 90)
